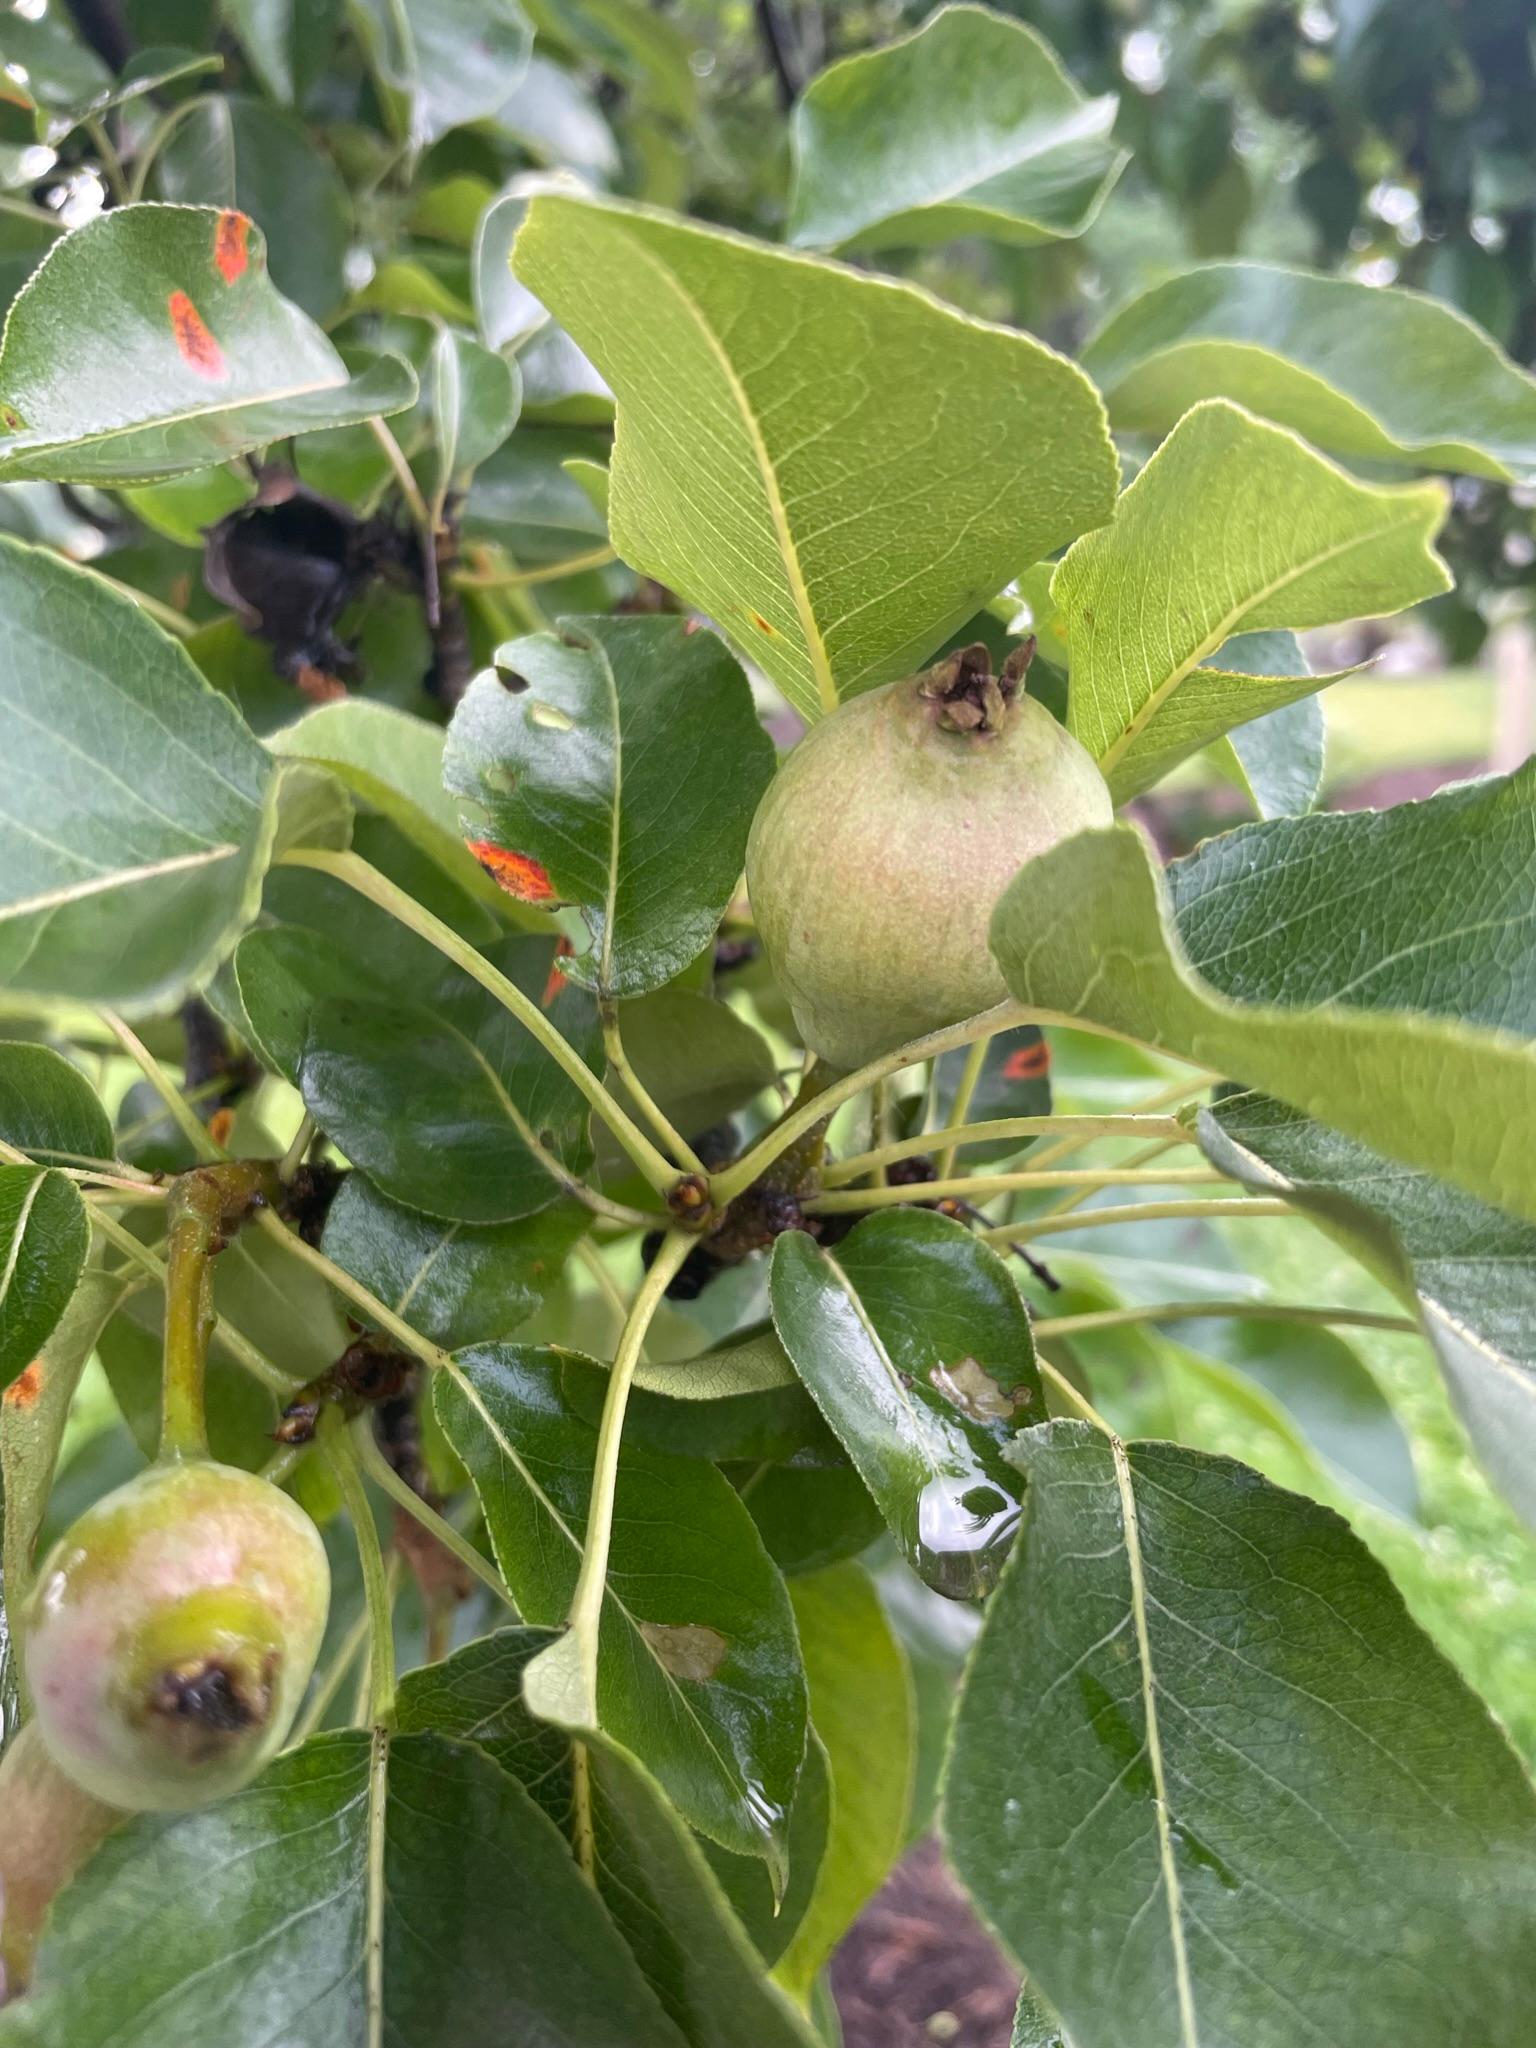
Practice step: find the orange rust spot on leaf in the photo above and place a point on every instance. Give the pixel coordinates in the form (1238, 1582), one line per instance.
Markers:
(220, 1124)
(24, 1390)
(518, 873)
(10, 419)
(763, 626)
(1029, 1063)
(230, 236)
(318, 685)
(564, 950)
(193, 341)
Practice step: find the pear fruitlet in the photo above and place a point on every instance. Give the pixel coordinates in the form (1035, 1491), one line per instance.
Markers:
(48, 1827)
(886, 838)
(172, 1632)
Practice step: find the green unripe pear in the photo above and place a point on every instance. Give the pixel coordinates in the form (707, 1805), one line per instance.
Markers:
(48, 1827)
(887, 836)
(171, 1634)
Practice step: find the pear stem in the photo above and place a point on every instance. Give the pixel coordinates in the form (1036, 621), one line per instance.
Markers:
(204, 1207)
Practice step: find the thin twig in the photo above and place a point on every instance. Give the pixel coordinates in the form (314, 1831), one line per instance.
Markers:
(1190, 1311)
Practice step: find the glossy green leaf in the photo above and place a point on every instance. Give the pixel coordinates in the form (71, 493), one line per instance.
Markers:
(287, 41)
(624, 757)
(1206, 1771)
(152, 341)
(25, 239)
(1390, 375)
(457, 1283)
(634, 41)
(1276, 760)
(255, 1916)
(835, 524)
(451, 61)
(234, 151)
(506, 311)
(912, 1337)
(474, 395)
(811, 1512)
(1088, 930)
(44, 1237)
(48, 1109)
(649, 1871)
(356, 1011)
(699, 1672)
(862, 1708)
(137, 813)
(772, 1917)
(698, 1058)
(1035, 2025)
(968, 126)
(741, 1401)
(1468, 1270)
(394, 762)
(523, 499)
(557, 120)
(1233, 527)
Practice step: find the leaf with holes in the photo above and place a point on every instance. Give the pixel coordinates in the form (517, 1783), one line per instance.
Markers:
(618, 764)
(699, 1672)
(1233, 527)
(833, 466)
(1205, 1771)
(1388, 375)
(968, 126)
(912, 1337)
(137, 812)
(151, 342)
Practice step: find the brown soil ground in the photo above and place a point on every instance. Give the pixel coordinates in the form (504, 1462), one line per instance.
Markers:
(919, 1968)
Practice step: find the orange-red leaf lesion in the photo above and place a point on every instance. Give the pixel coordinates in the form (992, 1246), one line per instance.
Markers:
(231, 239)
(194, 343)
(557, 981)
(518, 873)
(1029, 1063)
(25, 1389)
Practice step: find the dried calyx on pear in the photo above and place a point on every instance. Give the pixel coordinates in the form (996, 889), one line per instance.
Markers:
(887, 836)
(171, 1633)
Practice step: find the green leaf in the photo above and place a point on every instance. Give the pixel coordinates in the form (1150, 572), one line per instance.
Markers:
(233, 151)
(25, 238)
(968, 126)
(1205, 1772)
(912, 1337)
(699, 1673)
(1035, 2025)
(394, 762)
(698, 1058)
(741, 1401)
(862, 1708)
(1087, 931)
(288, 42)
(456, 1283)
(44, 1237)
(1389, 375)
(1014, 1081)
(452, 61)
(151, 341)
(48, 1109)
(1233, 527)
(356, 1011)
(1468, 1270)
(1276, 760)
(558, 121)
(523, 500)
(738, 367)
(649, 1871)
(262, 1909)
(811, 1512)
(475, 395)
(136, 815)
(506, 311)
(624, 758)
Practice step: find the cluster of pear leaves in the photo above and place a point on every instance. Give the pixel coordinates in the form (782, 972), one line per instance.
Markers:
(1202, 1774)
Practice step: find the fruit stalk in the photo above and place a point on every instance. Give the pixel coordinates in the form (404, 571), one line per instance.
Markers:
(205, 1206)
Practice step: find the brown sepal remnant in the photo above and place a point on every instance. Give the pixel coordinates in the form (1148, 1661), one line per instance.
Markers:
(518, 873)
(967, 697)
(370, 1371)
(212, 1701)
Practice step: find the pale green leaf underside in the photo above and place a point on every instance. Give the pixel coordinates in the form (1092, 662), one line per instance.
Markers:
(833, 466)
(1233, 527)
(968, 126)
(1381, 374)
(151, 342)
(1086, 931)
(1468, 1269)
